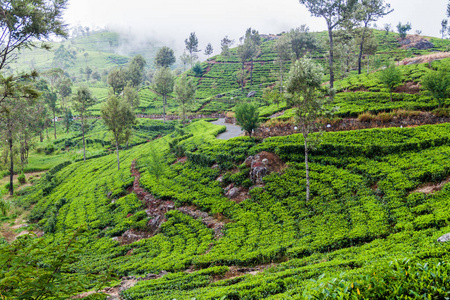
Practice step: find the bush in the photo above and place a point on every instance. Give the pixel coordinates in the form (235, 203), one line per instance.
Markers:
(197, 69)
(49, 149)
(21, 178)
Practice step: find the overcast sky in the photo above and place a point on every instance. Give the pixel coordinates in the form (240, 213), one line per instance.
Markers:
(172, 20)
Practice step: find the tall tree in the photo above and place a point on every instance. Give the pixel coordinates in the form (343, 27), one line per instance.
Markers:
(17, 96)
(334, 12)
(131, 96)
(283, 49)
(209, 50)
(64, 88)
(191, 44)
(63, 58)
(26, 21)
(252, 36)
(185, 58)
(225, 45)
(304, 84)
(368, 11)
(301, 40)
(117, 80)
(444, 25)
(118, 116)
(164, 85)
(54, 75)
(81, 101)
(185, 93)
(135, 71)
(164, 58)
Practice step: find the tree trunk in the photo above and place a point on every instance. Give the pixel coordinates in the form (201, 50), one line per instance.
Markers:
(242, 79)
(330, 58)
(164, 108)
(84, 142)
(54, 122)
(117, 149)
(361, 48)
(307, 168)
(11, 158)
(251, 72)
(41, 138)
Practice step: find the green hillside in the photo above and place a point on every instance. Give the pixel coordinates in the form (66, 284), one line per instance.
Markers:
(190, 216)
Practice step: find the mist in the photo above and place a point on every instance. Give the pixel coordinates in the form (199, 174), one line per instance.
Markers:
(170, 22)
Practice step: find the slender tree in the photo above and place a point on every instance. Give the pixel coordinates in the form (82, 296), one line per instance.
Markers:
(81, 101)
(185, 93)
(18, 95)
(334, 12)
(304, 84)
(164, 85)
(185, 58)
(209, 50)
(131, 96)
(283, 49)
(369, 11)
(118, 116)
(225, 45)
(191, 44)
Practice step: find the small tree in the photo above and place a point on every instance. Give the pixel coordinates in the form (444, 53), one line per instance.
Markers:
(164, 58)
(403, 29)
(82, 100)
(185, 58)
(209, 50)
(387, 28)
(444, 27)
(118, 116)
(225, 45)
(391, 77)
(68, 119)
(304, 84)
(117, 80)
(164, 85)
(131, 96)
(438, 84)
(247, 117)
(185, 91)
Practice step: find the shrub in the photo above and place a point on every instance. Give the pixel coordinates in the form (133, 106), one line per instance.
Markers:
(21, 178)
(365, 117)
(49, 149)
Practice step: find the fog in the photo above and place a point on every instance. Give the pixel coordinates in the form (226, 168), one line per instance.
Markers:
(171, 21)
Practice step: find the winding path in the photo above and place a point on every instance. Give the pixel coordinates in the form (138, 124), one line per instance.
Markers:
(231, 132)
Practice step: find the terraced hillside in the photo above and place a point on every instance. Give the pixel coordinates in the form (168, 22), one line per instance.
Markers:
(369, 214)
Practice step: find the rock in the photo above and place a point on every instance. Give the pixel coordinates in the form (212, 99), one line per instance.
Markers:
(444, 238)
(153, 224)
(220, 96)
(265, 161)
(215, 166)
(109, 195)
(257, 174)
(248, 161)
(230, 186)
(251, 94)
(219, 179)
(424, 44)
(233, 192)
(405, 42)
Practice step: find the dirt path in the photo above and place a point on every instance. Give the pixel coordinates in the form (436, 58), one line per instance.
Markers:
(231, 132)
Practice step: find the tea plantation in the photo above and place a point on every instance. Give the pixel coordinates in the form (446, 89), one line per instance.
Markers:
(366, 233)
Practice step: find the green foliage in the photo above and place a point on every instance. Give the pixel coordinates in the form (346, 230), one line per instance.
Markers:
(197, 69)
(21, 178)
(164, 57)
(391, 77)
(437, 83)
(403, 29)
(247, 117)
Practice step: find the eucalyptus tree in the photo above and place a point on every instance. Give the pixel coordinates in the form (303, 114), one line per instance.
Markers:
(368, 11)
(225, 45)
(283, 49)
(304, 84)
(118, 116)
(81, 101)
(301, 41)
(209, 50)
(191, 44)
(18, 96)
(24, 22)
(185, 92)
(334, 12)
(164, 58)
(163, 84)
